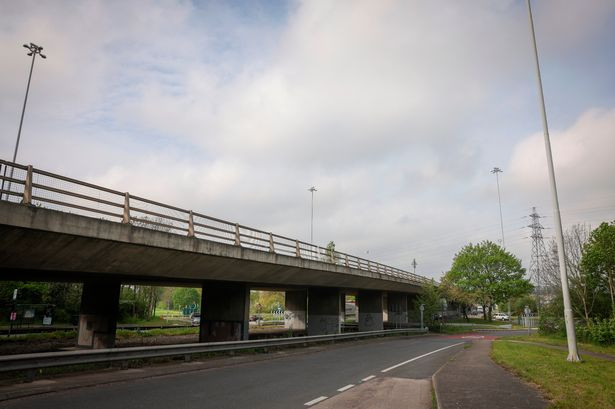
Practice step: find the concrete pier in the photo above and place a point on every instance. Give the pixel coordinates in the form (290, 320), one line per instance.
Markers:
(99, 313)
(323, 311)
(295, 310)
(224, 312)
(398, 308)
(370, 305)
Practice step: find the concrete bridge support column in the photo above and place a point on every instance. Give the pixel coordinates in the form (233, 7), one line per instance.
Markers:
(370, 307)
(99, 312)
(398, 308)
(224, 312)
(413, 310)
(323, 311)
(295, 310)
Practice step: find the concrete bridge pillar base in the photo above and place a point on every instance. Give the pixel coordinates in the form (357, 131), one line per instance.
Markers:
(370, 305)
(323, 311)
(398, 308)
(99, 313)
(224, 312)
(295, 310)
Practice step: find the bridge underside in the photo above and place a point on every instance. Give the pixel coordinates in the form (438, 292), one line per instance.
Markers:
(47, 245)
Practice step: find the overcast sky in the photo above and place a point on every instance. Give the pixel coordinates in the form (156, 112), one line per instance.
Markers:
(395, 110)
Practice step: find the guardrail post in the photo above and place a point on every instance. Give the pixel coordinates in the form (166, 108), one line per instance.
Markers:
(190, 224)
(271, 247)
(237, 236)
(126, 217)
(27, 189)
(297, 249)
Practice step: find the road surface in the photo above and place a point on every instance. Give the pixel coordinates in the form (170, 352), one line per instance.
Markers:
(294, 381)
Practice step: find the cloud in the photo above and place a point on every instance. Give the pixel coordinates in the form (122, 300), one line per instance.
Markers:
(395, 110)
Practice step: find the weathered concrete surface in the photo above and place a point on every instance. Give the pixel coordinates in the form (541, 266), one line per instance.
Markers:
(473, 381)
(323, 311)
(398, 308)
(224, 312)
(38, 243)
(98, 315)
(369, 304)
(383, 393)
(295, 310)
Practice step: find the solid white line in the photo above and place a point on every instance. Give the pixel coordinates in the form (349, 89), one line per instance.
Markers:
(368, 378)
(313, 401)
(345, 388)
(419, 357)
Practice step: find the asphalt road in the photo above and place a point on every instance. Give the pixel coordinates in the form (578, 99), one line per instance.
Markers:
(288, 382)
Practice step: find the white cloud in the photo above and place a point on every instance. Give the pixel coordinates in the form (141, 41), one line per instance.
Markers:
(395, 110)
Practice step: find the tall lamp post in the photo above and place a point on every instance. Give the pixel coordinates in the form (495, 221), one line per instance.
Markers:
(312, 189)
(414, 264)
(497, 179)
(34, 50)
(573, 355)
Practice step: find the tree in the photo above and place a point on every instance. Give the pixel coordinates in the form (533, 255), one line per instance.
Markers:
(489, 273)
(586, 289)
(599, 257)
(431, 299)
(186, 296)
(452, 292)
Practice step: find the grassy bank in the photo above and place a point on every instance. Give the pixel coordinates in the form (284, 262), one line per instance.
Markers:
(555, 340)
(588, 384)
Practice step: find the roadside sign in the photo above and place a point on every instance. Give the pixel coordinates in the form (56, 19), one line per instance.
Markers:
(13, 316)
(14, 294)
(422, 307)
(28, 314)
(46, 320)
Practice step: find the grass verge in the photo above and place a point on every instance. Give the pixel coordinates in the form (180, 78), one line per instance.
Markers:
(588, 384)
(553, 340)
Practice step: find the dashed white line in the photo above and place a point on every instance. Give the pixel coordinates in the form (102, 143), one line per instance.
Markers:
(314, 401)
(419, 357)
(345, 388)
(368, 378)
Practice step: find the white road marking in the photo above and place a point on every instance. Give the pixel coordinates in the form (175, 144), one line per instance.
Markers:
(345, 388)
(419, 357)
(368, 378)
(314, 401)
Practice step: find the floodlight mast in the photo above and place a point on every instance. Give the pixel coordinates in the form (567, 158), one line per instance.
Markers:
(34, 51)
(573, 355)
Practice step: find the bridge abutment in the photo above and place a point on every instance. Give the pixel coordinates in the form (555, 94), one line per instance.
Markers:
(99, 313)
(323, 311)
(371, 310)
(225, 309)
(295, 309)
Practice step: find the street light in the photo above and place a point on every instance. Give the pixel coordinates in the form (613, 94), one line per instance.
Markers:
(497, 179)
(34, 50)
(414, 264)
(573, 355)
(312, 189)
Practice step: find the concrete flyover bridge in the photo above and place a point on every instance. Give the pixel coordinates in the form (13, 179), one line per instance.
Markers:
(54, 228)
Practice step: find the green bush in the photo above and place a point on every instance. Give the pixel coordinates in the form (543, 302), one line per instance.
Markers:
(552, 326)
(599, 332)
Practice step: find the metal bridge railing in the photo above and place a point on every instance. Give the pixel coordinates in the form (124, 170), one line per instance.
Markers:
(30, 186)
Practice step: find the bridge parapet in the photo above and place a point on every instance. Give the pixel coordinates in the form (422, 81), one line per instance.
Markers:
(35, 187)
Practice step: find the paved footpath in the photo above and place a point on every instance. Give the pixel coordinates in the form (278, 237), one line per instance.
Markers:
(471, 380)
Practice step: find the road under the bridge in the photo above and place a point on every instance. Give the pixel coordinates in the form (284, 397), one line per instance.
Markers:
(291, 381)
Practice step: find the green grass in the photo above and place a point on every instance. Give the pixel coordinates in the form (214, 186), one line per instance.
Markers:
(555, 340)
(126, 333)
(42, 336)
(588, 384)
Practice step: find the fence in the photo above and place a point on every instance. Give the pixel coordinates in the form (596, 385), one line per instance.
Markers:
(35, 187)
